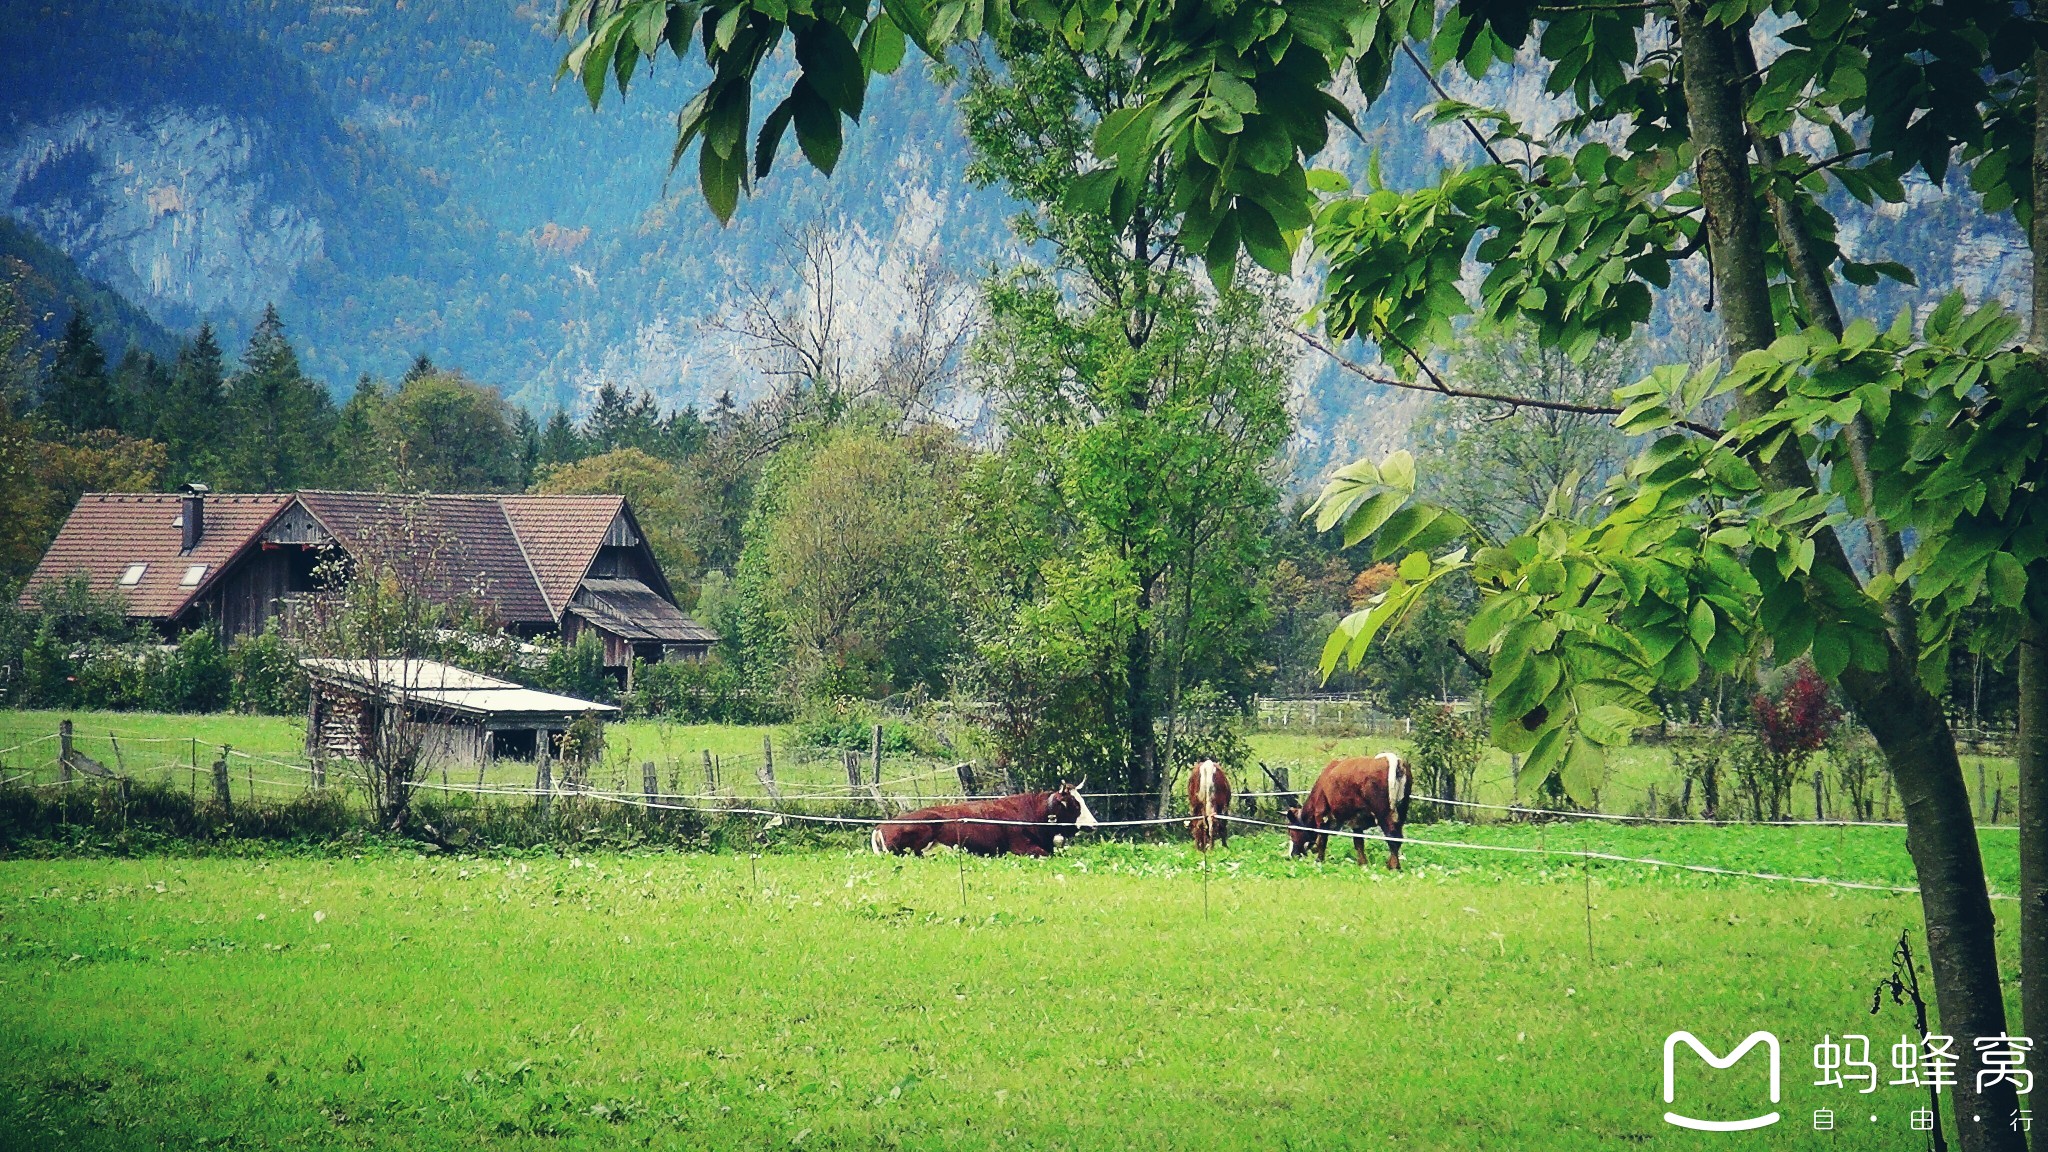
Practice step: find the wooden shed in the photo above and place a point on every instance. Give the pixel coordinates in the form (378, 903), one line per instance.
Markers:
(465, 718)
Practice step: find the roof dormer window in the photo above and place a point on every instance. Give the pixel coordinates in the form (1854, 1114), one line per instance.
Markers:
(194, 573)
(133, 575)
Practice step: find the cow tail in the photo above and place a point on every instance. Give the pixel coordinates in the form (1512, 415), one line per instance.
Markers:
(875, 841)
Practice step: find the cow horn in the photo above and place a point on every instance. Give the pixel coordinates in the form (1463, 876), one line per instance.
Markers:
(1082, 784)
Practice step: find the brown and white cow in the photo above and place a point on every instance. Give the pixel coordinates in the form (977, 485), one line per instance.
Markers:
(1028, 824)
(1208, 804)
(1354, 791)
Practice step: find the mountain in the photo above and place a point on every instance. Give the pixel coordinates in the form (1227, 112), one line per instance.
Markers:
(407, 178)
(50, 284)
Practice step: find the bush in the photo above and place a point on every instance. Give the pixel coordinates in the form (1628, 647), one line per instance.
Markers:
(268, 678)
(1211, 727)
(112, 676)
(196, 676)
(577, 670)
(848, 725)
(1447, 750)
(710, 691)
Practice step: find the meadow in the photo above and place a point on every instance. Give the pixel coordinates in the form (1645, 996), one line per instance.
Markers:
(821, 997)
(179, 747)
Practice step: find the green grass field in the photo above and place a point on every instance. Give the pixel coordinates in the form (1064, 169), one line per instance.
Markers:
(829, 999)
(166, 745)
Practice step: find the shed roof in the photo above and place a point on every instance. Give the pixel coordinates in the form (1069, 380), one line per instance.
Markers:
(632, 610)
(107, 533)
(441, 685)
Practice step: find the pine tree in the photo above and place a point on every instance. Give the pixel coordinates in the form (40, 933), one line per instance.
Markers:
(141, 385)
(359, 457)
(560, 443)
(79, 395)
(189, 422)
(282, 420)
(420, 370)
(527, 429)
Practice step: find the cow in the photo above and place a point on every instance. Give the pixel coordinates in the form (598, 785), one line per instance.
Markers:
(1208, 804)
(1028, 824)
(1354, 791)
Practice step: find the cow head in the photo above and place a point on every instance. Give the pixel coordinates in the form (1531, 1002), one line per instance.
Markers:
(1068, 806)
(1301, 827)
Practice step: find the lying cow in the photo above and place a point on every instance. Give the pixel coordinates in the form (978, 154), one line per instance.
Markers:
(1028, 824)
(1354, 791)
(1208, 804)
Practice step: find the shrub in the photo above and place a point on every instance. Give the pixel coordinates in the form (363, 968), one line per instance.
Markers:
(1793, 723)
(577, 670)
(268, 678)
(112, 676)
(196, 676)
(46, 670)
(1447, 747)
(1211, 727)
(1700, 763)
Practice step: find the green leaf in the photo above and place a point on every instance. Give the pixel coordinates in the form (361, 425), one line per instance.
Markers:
(832, 66)
(817, 127)
(1370, 515)
(720, 177)
(882, 46)
(1584, 770)
(1398, 471)
(1611, 724)
(1414, 567)
(2008, 579)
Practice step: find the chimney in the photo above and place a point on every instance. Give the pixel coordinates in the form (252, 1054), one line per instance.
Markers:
(193, 516)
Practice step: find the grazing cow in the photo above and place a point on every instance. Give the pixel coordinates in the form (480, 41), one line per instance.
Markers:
(1208, 803)
(1029, 824)
(1354, 791)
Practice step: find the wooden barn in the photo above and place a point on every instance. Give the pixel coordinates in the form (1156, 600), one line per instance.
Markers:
(543, 565)
(463, 719)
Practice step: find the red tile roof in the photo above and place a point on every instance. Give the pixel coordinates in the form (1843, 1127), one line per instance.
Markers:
(470, 546)
(561, 535)
(525, 555)
(108, 532)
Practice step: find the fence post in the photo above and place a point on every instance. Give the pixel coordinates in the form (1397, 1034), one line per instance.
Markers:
(875, 756)
(320, 772)
(711, 772)
(767, 775)
(768, 753)
(1997, 802)
(64, 750)
(1818, 814)
(650, 784)
(1652, 811)
(543, 783)
(966, 773)
(222, 794)
(853, 770)
(1981, 791)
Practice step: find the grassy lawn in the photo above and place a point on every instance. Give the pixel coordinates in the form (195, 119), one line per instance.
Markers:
(1631, 772)
(828, 999)
(154, 743)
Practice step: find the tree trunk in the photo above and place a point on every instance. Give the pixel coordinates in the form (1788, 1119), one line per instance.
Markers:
(2033, 661)
(1143, 762)
(1906, 720)
(2033, 833)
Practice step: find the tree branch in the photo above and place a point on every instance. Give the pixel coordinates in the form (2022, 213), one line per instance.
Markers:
(1440, 387)
(1477, 135)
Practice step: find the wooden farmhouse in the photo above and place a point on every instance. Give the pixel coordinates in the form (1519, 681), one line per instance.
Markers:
(542, 565)
(449, 716)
